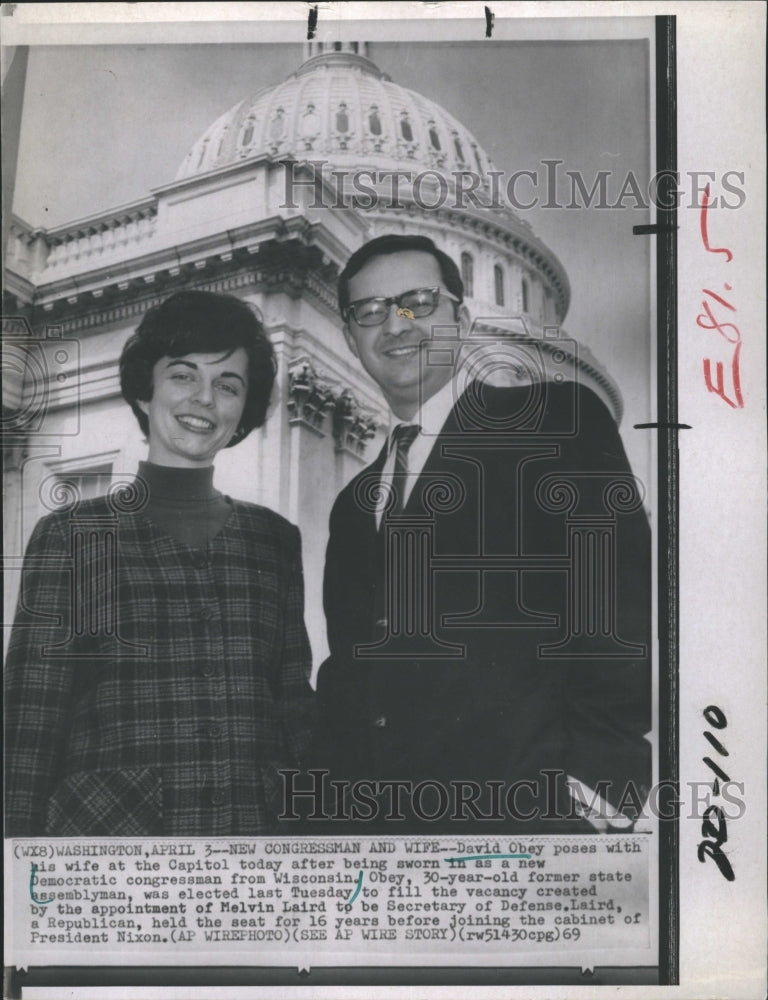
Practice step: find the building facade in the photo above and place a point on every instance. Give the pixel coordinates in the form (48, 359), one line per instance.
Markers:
(268, 205)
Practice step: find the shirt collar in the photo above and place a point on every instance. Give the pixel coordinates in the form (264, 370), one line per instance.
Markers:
(434, 412)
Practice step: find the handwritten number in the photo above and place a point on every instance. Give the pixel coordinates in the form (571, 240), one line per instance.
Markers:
(715, 717)
(715, 742)
(709, 850)
(718, 388)
(733, 338)
(706, 321)
(717, 833)
(720, 299)
(716, 769)
(714, 828)
(704, 234)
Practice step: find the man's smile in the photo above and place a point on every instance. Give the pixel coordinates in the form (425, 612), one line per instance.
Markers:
(402, 351)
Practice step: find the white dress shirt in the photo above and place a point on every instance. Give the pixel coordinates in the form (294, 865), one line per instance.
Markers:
(431, 418)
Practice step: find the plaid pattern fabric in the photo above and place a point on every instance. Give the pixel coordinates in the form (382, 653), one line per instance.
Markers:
(151, 688)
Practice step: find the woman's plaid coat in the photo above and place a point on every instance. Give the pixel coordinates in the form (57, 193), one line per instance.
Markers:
(151, 688)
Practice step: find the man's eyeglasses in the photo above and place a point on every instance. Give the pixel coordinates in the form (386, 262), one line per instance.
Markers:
(415, 304)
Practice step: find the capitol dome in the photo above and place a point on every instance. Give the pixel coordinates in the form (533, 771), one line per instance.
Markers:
(340, 110)
(339, 105)
(339, 115)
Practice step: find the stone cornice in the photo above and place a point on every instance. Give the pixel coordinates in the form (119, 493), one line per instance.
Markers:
(142, 208)
(19, 287)
(276, 254)
(290, 268)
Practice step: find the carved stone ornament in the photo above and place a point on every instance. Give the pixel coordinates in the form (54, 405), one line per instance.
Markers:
(312, 394)
(353, 425)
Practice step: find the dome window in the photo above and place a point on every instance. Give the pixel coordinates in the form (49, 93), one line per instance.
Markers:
(277, 124)
(459, 150)
(468, 274)
(477, 159)
(202, 155)
(342, 119)
(526, 296)
(434, 138)
(248, 133)
(221, 142)
(405, 128)
(374, 122)
(310, 123)
(498, 285)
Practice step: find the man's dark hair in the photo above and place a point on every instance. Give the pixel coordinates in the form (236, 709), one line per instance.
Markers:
(197, 322)
(394, 243)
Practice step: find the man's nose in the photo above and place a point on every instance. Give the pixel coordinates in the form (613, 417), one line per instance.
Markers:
(398, 320)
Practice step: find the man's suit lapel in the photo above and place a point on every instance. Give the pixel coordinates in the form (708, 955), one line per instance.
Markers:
(367, 487)
(436, 460)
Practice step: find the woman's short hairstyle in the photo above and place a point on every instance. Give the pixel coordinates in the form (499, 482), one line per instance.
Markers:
(396, 243)
(197, 322)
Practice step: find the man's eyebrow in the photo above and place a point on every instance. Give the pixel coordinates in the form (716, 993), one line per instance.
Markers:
(194, 367)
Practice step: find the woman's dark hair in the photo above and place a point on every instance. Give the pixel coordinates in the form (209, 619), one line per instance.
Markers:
(395, 243)
(196, 322)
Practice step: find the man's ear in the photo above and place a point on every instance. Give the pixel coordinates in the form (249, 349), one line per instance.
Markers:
(351, 342)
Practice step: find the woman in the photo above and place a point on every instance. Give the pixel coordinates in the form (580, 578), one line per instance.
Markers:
(157, 675)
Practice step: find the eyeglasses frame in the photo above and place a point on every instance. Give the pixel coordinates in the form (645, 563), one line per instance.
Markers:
(396, 300)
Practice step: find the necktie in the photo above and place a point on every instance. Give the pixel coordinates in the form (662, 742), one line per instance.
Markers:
(404, 435)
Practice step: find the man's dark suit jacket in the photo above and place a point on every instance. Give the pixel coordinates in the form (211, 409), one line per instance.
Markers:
(533, 537)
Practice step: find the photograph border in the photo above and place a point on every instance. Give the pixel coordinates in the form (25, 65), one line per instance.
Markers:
(666, 542)
(662, 44)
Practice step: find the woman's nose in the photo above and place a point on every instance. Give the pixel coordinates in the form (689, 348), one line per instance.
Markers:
(204, 393)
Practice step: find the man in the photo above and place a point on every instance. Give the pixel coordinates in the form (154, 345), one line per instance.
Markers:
(486, 586)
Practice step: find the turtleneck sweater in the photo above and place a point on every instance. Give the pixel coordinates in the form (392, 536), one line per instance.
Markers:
(184, 504)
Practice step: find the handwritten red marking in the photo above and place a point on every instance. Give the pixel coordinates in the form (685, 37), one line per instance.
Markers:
(719, 299)
(719, 387)
(704, 234)
(707, 320)
(732, 338)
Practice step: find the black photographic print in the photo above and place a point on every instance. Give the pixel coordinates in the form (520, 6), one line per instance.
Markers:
(368, 572)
